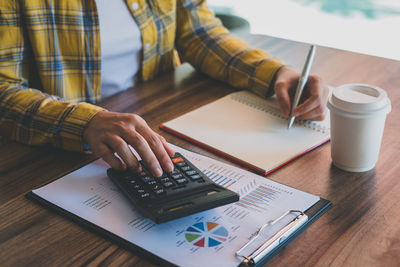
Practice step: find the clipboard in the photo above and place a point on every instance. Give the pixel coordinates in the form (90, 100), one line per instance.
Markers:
(279, 239)
(312, 214)
(87, 197)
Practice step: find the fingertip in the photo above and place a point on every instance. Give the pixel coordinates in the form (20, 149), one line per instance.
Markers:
(117, 165)
(157, 172)
(170, 166)
(166, 164)
(137, 168)
(296, 112)
(123, 166)
(303, 107)
(170, 152)
(285, 112)
(120, 166)
(133, 164)
(113, 161)
(284, 104)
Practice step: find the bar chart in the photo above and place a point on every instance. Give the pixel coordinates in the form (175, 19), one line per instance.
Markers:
(258, 200)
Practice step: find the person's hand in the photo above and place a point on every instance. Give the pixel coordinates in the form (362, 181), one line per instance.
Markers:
(313, 101)
(110, 132)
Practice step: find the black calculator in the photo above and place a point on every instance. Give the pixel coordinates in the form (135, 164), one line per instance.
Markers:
(184, 191)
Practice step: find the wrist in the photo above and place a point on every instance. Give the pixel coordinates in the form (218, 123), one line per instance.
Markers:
(271, 87)
(88, 128)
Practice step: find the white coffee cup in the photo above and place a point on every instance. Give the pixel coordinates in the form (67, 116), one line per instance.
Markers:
(358, 113)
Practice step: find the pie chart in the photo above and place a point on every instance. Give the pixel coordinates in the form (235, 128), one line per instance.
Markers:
(206, 234)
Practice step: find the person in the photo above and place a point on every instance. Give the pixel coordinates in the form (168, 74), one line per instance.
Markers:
(58, 58)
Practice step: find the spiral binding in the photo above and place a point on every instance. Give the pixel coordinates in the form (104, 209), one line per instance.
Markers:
(253, 102)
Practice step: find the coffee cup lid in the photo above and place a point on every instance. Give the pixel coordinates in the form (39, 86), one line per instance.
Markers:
(359, 99)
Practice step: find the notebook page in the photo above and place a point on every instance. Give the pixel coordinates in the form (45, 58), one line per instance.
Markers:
(250, 129)
(208, 238)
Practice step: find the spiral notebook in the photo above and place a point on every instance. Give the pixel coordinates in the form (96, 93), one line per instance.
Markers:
(249, 130)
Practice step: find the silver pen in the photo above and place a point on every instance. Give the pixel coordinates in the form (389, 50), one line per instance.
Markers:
(302, 82)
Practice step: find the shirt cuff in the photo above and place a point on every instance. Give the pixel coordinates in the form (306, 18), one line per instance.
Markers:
(71, 130)
(264, 77)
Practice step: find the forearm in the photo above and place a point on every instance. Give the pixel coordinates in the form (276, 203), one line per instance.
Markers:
(206, 44)
(31, 117)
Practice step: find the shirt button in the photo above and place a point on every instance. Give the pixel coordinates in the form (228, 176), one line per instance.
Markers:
(135, 6)
(147, 46)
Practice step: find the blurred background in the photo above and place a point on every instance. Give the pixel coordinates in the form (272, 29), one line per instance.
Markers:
(365, 26)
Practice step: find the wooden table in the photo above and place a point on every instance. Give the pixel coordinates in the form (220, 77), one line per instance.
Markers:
(361, 229)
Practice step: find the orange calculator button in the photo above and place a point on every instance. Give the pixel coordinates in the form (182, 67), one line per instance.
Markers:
(176, 160)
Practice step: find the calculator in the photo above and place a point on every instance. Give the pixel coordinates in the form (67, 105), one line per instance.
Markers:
(184, 191)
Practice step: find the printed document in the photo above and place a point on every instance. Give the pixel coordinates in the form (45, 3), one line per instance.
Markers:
(208, 238)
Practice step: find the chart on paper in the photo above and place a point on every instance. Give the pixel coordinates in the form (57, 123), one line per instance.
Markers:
(220, 179)
(259, 198)
(254, 197)
(102, 196)
(206, 234)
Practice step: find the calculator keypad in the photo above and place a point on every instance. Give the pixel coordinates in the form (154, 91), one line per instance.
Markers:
(145, 186)
(184, 191)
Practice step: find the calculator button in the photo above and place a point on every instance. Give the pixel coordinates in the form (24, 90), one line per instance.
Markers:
(124, 174)
(137, 186)
(159, 192)
(175, 171)
(181, 181)
(141, 191)
(186, 168)
(190, 173)
(168, 184)
(147, 179)
(143, 173)
(181, 164)
(176, 160)
(195, 177)
(152, 183)
(177, 176)
(145, 196)
(156, 187)
(165, 180)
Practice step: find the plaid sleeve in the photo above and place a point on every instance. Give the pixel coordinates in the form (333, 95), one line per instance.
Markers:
(27, 115)
(206, 44)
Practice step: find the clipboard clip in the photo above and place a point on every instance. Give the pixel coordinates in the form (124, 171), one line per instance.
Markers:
(259, 253)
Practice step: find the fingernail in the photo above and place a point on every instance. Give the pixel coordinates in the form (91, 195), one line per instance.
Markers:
(286, 113)
(158, 172)
(139, 168)
(170, 166)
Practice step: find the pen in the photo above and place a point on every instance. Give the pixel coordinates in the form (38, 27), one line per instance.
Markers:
(302, 82)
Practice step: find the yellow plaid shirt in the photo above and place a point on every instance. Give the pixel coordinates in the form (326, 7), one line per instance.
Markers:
(50, 61)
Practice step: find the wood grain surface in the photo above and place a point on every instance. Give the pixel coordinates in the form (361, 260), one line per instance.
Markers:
(361, 229)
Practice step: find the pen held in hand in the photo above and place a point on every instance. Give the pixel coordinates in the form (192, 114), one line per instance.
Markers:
(302, 82)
